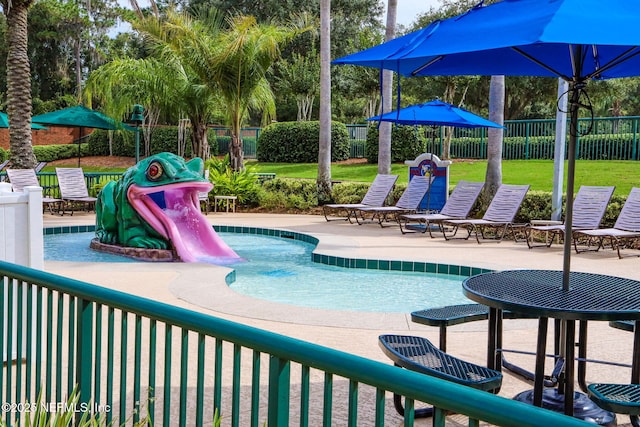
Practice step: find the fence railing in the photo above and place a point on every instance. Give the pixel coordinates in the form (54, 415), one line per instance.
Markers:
(608, 138)
(133, 359)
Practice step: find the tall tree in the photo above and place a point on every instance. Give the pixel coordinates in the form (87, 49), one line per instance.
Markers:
(18, 83)
(299, 77)
(323, 181)
(493, 177)
(233, 63)
(384, 137)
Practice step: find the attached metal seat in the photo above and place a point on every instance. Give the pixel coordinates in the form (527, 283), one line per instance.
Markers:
(618, 398)
(420, 355)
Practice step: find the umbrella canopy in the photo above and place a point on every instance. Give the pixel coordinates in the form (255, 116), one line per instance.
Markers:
(435, 113)
(4, 123)
(576, 40)
(79, 116)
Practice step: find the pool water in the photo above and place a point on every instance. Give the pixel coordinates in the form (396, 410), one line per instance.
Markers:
(281, 270)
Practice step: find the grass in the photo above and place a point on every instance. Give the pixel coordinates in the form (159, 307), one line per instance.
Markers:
(624, 174)
(537, 173)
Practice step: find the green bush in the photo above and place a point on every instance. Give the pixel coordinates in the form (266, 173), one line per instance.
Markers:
(162, 139)
(242, 184)
(536, 205)
(406, 144)
(297, 142)
(49, 153)
(287, 193)
(4, 155)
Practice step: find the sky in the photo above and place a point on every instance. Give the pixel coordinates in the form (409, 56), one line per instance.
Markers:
(407, 9)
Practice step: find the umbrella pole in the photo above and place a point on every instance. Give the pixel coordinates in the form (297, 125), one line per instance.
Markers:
(575, 88)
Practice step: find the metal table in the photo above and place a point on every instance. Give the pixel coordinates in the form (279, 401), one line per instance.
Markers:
(539, 293)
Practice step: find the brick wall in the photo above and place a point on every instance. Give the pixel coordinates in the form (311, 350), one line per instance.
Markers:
(54, 135)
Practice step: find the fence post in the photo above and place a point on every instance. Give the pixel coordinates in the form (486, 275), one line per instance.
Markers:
(526, 140)
(634, 145)
(84, 354)
(279, 385)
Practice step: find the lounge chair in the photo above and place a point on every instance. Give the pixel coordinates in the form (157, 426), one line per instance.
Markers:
(408, 202)
(21, 178)
(499, 215)
(40, 166)
(624, 232)
(375, 197)
(458, 206)
(73, 188)
(589, 207)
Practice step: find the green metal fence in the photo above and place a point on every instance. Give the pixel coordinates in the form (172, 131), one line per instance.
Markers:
(608, 138)
(136, 359)
(249, 140)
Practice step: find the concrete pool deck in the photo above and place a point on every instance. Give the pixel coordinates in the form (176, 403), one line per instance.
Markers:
(202, 288)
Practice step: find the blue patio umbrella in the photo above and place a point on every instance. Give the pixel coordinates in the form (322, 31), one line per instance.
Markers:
(4, 122)
(435, 113)
(576, 40)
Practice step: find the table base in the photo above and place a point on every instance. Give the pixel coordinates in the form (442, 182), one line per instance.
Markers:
(583, 407)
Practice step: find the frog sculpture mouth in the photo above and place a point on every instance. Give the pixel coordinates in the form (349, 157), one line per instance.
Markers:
(174, 213)
(155, 208)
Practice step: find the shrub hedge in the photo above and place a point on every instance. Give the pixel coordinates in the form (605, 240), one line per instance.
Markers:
(163, 139)
(297, 142)
(406, 144)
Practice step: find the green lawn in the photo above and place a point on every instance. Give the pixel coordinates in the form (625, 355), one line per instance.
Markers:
(537, 173)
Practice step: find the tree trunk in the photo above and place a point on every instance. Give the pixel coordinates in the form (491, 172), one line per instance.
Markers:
(494, 142)
(323, 181)
(236, 153)
(199, 142)
(19, 85)
(384, 136)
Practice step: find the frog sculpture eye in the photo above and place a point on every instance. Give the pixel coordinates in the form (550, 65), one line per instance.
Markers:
(154, 171)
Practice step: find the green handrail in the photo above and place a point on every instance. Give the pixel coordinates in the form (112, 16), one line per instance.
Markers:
(284, 353)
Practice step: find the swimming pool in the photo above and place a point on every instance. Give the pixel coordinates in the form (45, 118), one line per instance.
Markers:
(281, 270)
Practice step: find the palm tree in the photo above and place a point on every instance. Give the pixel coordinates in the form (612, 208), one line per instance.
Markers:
(384, 137)
(18, 83)
(233, 63)
(493, 177)
(239, 67)
(162, 85)
(323, 181)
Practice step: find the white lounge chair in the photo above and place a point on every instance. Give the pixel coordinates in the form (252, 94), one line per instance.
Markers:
(21, 178)
(500, 214)
(624, 233)
(458, 206)
(73, 188)
(375, 197)
(408, 202)
(589, 207)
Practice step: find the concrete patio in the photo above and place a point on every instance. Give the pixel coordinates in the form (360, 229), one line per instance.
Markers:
(201, 288)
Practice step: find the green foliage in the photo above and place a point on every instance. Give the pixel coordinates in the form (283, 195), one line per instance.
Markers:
(297, 142)
(226, 182)
(536, 205)
(298, 194)
(49, 153)
(349, 192)
(221, 143)
(98, 186)
(406, 144)
(163, 139)
(4, 155)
